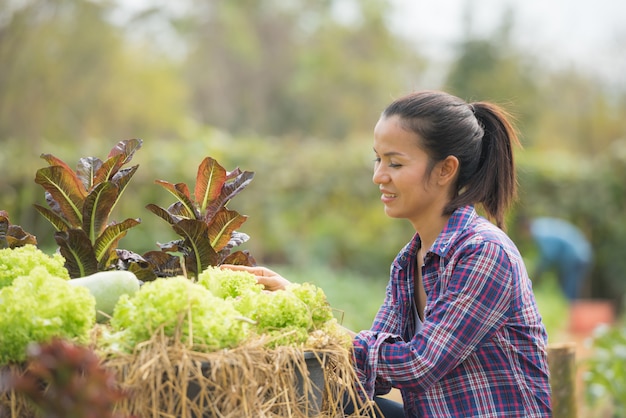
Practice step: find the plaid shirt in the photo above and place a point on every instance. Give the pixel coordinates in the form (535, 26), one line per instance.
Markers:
(481, 351)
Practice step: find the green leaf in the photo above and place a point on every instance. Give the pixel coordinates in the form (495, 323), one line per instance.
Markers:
(97, 208)
(107, 242)
(76, 248)
(65, 189)
(209, 182)
(201, 254)
(222, 226)
(181, 192)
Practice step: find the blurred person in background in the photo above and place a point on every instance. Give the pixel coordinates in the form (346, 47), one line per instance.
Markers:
(564, 249)
(459, 333)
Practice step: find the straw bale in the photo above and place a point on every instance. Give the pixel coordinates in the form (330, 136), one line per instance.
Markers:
(166, 379)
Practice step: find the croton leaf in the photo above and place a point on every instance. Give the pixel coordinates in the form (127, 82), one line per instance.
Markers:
(209, 182)
(75, 247)
(56, 220)
(181, 192)
(66, 190)
(107, 242)
(230, 189)
(201, 254)
(223, 224)
(97, 208)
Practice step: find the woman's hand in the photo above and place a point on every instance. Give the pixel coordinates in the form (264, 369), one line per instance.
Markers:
(268, 278)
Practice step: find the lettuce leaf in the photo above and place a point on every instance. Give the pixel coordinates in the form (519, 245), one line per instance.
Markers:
(39, 307)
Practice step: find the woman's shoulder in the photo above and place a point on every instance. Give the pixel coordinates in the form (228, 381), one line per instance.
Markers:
(484, 234)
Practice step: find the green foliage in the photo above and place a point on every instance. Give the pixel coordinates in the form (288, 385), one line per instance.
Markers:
(225, 283)
(591, 194)
(605, 369)
(279, 314)
(553, 307)
(298, 70)
(290, 84)
(70, 72)
(315, 299)
(22, 261)
(181, 309)
(355, 298)
(37, 308)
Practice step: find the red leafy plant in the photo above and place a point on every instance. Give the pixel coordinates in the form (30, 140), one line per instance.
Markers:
(80, 203)
(13, 236)
(208, 230)
(65, 380)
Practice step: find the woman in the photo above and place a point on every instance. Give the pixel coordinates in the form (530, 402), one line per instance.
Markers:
(459, 333)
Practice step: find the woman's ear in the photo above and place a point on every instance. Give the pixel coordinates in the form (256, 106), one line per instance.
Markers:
(448, 169)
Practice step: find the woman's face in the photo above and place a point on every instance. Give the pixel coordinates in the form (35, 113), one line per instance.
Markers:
(402, 173)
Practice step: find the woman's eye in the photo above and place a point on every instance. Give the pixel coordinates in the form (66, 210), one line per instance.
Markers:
(394, 165)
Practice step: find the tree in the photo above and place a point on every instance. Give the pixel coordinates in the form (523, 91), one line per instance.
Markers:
(68, 73)
(292, 68)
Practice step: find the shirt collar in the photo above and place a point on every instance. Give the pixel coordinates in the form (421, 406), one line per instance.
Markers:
(459, 221)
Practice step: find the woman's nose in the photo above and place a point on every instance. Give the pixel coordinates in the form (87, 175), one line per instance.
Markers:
(380, 176)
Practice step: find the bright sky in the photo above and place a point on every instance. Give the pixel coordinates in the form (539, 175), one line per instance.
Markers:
(590, 34)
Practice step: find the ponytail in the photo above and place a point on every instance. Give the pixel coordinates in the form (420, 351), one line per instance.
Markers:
(494, 183)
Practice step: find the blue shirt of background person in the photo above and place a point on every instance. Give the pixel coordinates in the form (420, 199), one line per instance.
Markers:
(564, 248)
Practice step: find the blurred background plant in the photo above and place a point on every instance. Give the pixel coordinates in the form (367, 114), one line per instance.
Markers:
(605, 371)
(291, 90)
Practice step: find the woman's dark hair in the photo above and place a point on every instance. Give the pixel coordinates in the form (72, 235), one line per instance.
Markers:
(478, 134)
